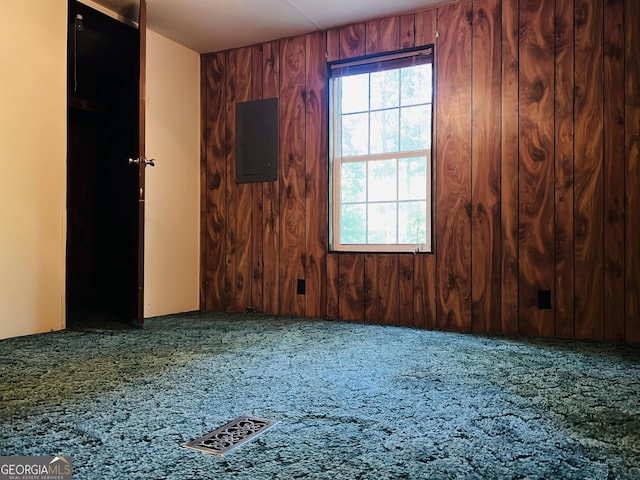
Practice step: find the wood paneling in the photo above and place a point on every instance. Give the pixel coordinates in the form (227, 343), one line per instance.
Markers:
(405, 290)
(333, 44)
(231, 197)
(382, 35)
(536, 182)
(316, 198)
(271, 193)
(238, 197)
(564, 170)
(408, 31)
(509, 166)
(424, 265)
(257, 191)
(632, 173)
(292, 174)
(588, 163)
(333, 286)
(352, 40)
(453, 166)
(614, 170)
(485, 167)
(241, 293)
(388, 283)
(371, 292)
(381, 281)
(216, 157)
(204, 95)
(425, 28)
(536, 165)
(351, 287)
(424, 291)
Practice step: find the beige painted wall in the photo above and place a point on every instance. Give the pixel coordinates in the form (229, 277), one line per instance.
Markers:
(172, 226)
(33, 42)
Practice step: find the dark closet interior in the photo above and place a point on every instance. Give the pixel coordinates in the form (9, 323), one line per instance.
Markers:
(102, 214)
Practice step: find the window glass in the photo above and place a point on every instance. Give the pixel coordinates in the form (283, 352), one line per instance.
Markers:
(415, 131)
(355, 134)
(355, 94)
(385, 87)
(353, 183)
(384, 131)
(412, 179)
(382, 181)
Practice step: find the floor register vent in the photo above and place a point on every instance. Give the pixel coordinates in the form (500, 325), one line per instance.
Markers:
(231, 435)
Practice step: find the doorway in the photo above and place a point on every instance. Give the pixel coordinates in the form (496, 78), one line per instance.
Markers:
(102, 188)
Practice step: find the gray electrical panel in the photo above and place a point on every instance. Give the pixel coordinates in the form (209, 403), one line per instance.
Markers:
(257, 141)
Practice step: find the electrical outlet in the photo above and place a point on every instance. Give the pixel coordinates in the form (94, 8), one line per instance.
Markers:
(544, 299)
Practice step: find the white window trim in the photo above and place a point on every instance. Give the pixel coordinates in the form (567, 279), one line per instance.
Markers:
(335, 162)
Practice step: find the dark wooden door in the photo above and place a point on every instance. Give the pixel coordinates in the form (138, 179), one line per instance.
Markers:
(142, 162)
(105, 189)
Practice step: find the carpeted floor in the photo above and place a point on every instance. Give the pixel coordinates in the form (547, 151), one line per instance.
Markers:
(353, 401)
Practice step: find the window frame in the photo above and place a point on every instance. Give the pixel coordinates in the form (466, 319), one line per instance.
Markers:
(393, 60)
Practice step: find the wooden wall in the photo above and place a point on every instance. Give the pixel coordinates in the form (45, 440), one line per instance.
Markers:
(537, 182)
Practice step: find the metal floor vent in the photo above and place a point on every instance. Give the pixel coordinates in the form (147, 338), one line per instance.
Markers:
(231, 435)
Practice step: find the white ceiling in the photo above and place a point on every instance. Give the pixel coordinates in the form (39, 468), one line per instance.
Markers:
(214, 25)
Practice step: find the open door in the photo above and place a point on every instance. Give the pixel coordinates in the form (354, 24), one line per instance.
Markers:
(141, 162)
(106, 163)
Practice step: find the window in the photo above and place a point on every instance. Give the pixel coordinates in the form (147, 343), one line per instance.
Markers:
(380, 145)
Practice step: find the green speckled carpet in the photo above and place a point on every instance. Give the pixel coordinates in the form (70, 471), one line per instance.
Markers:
(353, 401)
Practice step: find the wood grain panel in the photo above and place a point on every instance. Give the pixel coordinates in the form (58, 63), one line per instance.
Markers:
(244, 238)
(405, 290)
(352, 40)
(388, 288)
(408, 31)
(424, 291)
(382, 35)
(333, 295)
(333, 44)
(453, 165)
(564, 63)
(292, 174)
(485, 167)
(426, 27)
(381, 298)
(231, 205)
(257, 189)
(509, 166)
(215, 276)
(351, 287)
(632, 177)
(424, 265)
(238, 288)
(371, 292)
(588, 171)
(271, 193)
(204, 90)
(271, 69)
(536, 255)
(316, 177)
(614, 170)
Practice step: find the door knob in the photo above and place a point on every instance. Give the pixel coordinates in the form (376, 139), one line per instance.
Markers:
(137, 161)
